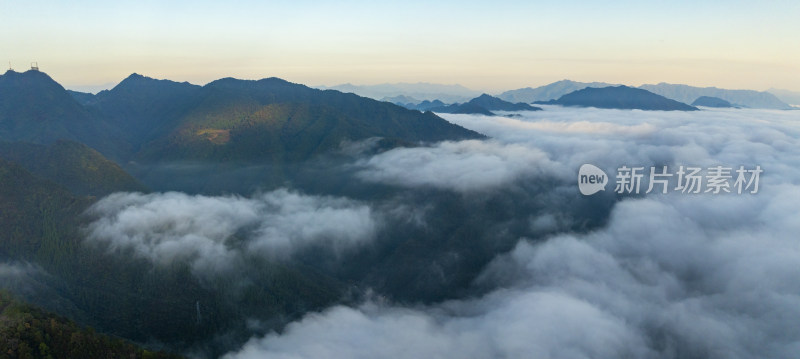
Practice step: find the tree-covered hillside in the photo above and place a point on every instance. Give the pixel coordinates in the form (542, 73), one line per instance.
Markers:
(77, 167)
(29, 332)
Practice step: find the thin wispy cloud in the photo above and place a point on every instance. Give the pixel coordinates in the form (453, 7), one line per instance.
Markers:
(213, 233)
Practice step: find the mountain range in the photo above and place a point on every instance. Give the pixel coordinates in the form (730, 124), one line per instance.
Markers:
(484, 105)
(147, 119)
(276, 120)
(418, 91)
(741, 98)
(424, 105)
(403, 95)
(51, 173)
(548, 92)
(60, 151)
(619, 97)
(790, 97)
(402, 100)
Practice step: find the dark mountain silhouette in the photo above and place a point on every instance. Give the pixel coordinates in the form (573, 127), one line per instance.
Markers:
(620, 97)
(708, 101)
(492, 103)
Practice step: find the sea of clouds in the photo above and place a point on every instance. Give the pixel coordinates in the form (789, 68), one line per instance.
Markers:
(671, 275)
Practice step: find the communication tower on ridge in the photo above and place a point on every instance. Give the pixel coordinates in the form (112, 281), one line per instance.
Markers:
(35, 66)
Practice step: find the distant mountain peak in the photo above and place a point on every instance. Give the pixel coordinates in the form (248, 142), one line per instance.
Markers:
(709, 101)
(33, 82)
(449, 93)
(493, 103)
(620, 97)
(274, 79)
(138, 82)
(787, 96)
(744, 98)
(30, 75)
(484, 105)
(548, 92)
(232, 83)
(133, 79)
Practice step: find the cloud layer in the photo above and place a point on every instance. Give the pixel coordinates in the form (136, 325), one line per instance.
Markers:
(668, 276)
(464, 166)
(630, 290)
(212, 232)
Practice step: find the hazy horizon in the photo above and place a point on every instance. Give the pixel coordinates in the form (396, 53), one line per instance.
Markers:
(107, 86)
(491, 47)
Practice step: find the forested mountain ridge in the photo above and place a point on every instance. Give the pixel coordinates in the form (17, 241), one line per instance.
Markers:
(620, 97)
(145, 108)
(29, 332)
(142, 117)
(73, 165)
(548, 92)
(34, 108)
(275, 120)
(147, 125)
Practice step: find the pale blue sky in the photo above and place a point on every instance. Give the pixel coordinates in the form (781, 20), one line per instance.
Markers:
(484, 45)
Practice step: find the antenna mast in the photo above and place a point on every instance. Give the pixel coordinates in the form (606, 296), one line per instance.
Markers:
(35, 66)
